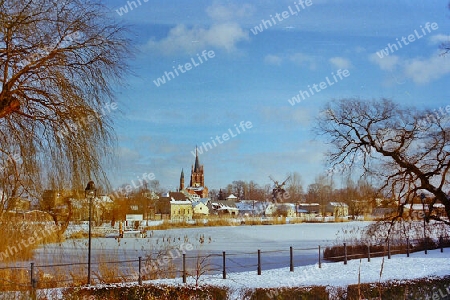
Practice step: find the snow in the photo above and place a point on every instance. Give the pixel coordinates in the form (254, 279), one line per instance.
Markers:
(399, 267)
(418, 265)
(240, 239)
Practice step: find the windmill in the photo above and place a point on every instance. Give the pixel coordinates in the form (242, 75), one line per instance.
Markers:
(278, 189)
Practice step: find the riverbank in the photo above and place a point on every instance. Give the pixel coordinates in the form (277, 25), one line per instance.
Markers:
(416, 277)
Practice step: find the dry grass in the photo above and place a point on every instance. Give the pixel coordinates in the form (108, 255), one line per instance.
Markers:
(224, 220)
(21, 238)
(210, 221)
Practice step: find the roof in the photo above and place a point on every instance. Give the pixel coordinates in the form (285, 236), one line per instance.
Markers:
(204, 200)
(180, 202)
(338, 204)
(195, 188)
(229, 203)
(178, 195)
(197, 203)
(309, 204)
(231, 196)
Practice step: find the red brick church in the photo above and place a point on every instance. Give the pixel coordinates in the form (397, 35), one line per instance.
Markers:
(197, 182)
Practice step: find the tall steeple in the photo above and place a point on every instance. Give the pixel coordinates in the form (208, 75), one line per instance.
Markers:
(197, 180)
(197, 177)
(197, 163)
(182, 180)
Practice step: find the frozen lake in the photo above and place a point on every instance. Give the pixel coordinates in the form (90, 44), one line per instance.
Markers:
(240, 243)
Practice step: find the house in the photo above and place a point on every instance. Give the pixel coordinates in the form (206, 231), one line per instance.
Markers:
(181, 210)
(133, 221)
(232, 197)
(223, 207)
(309, 208)
(163, 206)
(337, 209)
(251, 207)
(200, 208)
(281, 209)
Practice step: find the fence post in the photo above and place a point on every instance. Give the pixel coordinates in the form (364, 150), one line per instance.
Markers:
(320, 262)
(140, 272)
(389, 249)
(259, 262)
(33, 283)
(407, 246)
(368, 252)
(345, 253)
(291, 264)
(426, 245)
(441, 243)
(224, 272)
(184, 268)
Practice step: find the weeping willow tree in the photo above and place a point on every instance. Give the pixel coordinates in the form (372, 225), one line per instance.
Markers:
(59, 62)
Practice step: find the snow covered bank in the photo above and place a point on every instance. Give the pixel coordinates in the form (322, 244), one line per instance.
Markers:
(333, 276)
(399, 267)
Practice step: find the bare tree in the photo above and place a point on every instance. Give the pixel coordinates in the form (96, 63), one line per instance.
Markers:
(295, 187)
(320, 191)
(58, 62)
(408, 150)
(239, 188)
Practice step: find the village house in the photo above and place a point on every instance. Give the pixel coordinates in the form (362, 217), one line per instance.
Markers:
(281, 209)
(309, 209)
(181, 210)
(337, 209)
(251, 207)
(200, 208)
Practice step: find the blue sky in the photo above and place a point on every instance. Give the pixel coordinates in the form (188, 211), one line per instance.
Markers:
(251, 77)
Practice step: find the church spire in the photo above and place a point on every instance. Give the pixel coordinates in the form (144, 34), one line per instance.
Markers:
(182, 180)
(197, 163)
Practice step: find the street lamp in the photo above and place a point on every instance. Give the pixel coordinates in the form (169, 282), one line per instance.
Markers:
(422, 198)
(90, 193)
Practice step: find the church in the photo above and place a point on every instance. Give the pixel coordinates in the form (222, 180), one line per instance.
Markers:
(197, 180)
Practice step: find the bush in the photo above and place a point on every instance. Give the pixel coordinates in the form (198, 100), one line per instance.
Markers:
(292, 293)
(147, 292)
(412, 290)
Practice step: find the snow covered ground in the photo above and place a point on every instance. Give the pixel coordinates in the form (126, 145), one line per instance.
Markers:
(269, 238)
(399, 267)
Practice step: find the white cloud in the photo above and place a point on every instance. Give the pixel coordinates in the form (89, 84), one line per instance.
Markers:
(273, 60)
(220, 36)
(340, 62)
(387, 63)
(224, 33)
(422, 71)
(439, 39)
(419, 70)
(304, 59)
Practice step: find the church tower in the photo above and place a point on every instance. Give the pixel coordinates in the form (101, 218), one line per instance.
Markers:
(197, 181)
(182, 180)
(197, 176)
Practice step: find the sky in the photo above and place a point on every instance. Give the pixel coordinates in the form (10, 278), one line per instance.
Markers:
(244, 64)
